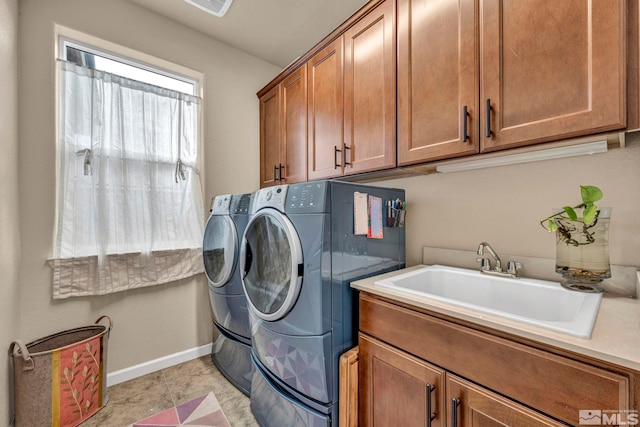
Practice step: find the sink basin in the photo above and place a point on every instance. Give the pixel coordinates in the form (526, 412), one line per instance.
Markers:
(536, 302)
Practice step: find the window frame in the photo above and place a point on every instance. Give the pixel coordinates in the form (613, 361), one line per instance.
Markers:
(67, 42)
(64, 35)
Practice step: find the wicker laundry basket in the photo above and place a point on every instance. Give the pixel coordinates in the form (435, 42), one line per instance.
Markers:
(60, 380)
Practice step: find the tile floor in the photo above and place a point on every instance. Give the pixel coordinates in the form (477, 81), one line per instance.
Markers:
(141, 397)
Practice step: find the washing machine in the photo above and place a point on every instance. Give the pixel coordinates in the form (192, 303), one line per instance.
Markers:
(298, 257)
(231, 351)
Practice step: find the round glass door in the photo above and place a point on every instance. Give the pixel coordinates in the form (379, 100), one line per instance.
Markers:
(271, 262)
(219, 249)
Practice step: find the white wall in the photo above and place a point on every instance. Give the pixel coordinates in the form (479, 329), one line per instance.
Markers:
(161, 320)
(504, 205)
(9, 218)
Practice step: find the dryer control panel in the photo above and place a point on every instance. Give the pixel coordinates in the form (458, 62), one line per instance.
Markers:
(220, 205)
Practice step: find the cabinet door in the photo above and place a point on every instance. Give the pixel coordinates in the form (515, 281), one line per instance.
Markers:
(325, 110)
(369, 92)
(437, 80)
(294, 126)
(270, 137)
(551, 69)
(470, 405)
(397, 389)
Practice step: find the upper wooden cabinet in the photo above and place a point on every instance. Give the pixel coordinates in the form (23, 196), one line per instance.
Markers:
(370, 92)
(352, 104)
(437, 80)
(525, 72)
(270, 147)
(551, 70)
(325, 112)
(283, 131)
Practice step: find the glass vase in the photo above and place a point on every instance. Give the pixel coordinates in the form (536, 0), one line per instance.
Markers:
(582, 251)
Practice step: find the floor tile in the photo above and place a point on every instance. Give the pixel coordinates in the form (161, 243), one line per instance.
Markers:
(142, 397)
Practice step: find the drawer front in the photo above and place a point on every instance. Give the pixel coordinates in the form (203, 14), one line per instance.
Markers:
(552, 384)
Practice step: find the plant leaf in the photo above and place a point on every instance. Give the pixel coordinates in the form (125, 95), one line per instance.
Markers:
(589, 214)
(590, 194)
(552, 226)
(570, 213)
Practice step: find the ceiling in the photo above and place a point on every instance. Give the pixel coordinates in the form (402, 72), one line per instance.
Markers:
(277, 31)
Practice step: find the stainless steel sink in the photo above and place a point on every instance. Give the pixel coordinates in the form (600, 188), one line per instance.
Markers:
(536, 302)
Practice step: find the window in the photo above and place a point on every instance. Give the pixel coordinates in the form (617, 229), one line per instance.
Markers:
(129, 208)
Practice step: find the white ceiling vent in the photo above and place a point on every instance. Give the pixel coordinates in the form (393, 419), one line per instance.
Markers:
(214, 7)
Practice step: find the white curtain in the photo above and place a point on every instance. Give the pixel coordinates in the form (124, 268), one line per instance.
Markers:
(130, 210)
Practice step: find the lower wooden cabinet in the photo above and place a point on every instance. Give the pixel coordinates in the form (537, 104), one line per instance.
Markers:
(397, 389)
(417, 369)
(471, 405)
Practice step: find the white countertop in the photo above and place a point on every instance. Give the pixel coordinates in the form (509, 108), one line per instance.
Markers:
(615, 337)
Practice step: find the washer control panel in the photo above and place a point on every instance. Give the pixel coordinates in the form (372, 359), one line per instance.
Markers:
(270, 197)
(310, 197)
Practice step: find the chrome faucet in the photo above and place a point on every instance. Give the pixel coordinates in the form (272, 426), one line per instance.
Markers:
(481, 248)
(485, 263)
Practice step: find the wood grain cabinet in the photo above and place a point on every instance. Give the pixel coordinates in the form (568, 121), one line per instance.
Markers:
(397, 389)
(283, 131)
(352, 108)
(416, 369)
(485, 75)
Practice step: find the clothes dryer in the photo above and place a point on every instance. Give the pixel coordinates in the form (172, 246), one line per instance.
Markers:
(299, 254)
(225, 226)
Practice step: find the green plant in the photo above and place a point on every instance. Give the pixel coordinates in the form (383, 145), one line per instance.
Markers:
(558, 221)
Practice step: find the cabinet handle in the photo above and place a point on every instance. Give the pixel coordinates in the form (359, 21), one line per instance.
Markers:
(430, 414)
(455, 403)
(280, 167)
(335, 157)
(275, 168)
(465, 116)
(344, 156)
(488, 131)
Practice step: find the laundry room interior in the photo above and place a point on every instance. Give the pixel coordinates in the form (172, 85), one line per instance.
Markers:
(310, 127)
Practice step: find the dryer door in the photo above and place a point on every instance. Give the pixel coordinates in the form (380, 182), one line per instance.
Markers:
(271, 263)
(219, 249)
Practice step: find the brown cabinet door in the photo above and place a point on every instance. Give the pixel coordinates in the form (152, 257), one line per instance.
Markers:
(437, 80)
(369, 92)
(551, 69)
(294, 127)
(470, 405)
(270, 137)
(396, 389)
(325, 112)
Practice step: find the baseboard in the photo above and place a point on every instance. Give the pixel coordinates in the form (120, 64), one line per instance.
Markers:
(145, 368)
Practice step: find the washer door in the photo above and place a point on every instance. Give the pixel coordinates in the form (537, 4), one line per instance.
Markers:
(219, 249)
(271, 263)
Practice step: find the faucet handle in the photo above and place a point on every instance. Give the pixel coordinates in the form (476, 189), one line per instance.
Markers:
(485, 264)
(513, 267)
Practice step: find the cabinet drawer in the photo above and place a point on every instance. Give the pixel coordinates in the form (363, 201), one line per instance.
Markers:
(552, 384)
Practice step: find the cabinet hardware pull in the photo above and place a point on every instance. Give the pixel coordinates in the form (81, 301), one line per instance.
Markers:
(455, 403)
(465, 117)
(335, 157)
(488, 131)
(280, 167)
(275, 168)
(430, 414)
(344, 156)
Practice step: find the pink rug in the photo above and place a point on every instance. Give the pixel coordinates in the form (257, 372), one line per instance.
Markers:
(203, 411)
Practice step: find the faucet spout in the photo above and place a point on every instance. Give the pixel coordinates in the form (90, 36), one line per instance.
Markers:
(494, 255)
